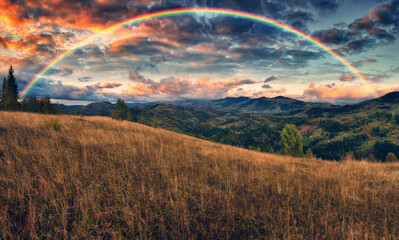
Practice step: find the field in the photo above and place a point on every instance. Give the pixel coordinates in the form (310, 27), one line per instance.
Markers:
(101, 178)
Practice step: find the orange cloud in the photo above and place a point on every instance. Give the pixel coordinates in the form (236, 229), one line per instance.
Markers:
(184, 87)
(340, 92)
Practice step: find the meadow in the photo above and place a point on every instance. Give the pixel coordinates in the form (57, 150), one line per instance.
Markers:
(94, 177)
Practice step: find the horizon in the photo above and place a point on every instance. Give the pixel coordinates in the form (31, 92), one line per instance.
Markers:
(202, 56)
(85, 103)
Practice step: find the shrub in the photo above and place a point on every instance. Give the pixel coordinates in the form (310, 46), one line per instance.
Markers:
(53, 124)
(391, 158)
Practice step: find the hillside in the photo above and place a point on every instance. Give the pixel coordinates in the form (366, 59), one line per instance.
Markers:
(101, 178)
(331, 132)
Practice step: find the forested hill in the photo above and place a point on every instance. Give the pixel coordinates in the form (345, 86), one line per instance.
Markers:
(368, 130)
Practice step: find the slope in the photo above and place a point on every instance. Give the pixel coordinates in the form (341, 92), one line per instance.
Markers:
(101, 178)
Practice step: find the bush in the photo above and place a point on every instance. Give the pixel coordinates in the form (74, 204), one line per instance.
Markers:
(391, 158)
(53, 124)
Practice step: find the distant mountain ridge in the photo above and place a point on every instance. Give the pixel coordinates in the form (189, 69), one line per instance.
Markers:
(252, 105)
(262, 105)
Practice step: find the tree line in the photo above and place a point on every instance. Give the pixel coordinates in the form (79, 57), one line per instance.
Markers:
(10, 101)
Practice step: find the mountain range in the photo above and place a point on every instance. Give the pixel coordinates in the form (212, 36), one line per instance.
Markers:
(278, 105)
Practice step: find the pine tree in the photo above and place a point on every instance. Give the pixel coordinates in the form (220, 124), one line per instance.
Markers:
(121, 110)
(9, 94)
(11, 82)
(4, 94)
(130, 116)
(309, 153)
(4, 88)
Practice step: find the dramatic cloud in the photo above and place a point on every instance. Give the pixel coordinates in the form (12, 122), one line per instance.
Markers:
(192, 56)
(183, 87)
(367, 32)
(387, 14)
(3, 43)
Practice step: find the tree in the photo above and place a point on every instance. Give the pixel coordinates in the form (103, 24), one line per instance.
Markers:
(391, 158)
(121, 110)
(9, 94)
(11, 82)
(309, 153)
(291, 141)
(29, 104)
(130, 116)
(44, 105)
(4, 94)
(155, 124)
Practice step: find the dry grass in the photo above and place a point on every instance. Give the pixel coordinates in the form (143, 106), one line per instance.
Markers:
(100, 178)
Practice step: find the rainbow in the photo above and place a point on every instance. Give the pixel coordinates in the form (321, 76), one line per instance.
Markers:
(187, 11)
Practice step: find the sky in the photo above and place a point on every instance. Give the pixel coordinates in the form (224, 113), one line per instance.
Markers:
(201, 56)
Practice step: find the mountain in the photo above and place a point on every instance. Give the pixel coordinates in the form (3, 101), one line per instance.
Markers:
(252, 105)
(174, 117)
(280, 105)
(92, 109)
(388, 101)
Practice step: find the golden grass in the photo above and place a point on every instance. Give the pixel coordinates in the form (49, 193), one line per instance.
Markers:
(101, 178)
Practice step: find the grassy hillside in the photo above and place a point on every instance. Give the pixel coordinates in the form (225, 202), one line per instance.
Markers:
(97, 177)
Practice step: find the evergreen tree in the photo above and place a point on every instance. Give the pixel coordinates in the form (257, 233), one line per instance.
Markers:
(130, 116)
(11, 82)
(271, 150)
(291, 141)
(309, 153)
(9, 94)
(121, 110)
(4, 88)
(4, 94)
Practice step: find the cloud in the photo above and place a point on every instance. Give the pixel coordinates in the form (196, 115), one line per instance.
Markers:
(84, 79)
(267, 86)
(63, 71)
(342, 94)
(387, 14)
(376, 79)
(347, 77)
(271, 78)
(3, 42)
(334, 36)
(378, 28)
(256, 93)
(105, 85)
(59, 90)
(183, 87)
(361, 44)
(364, 23)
